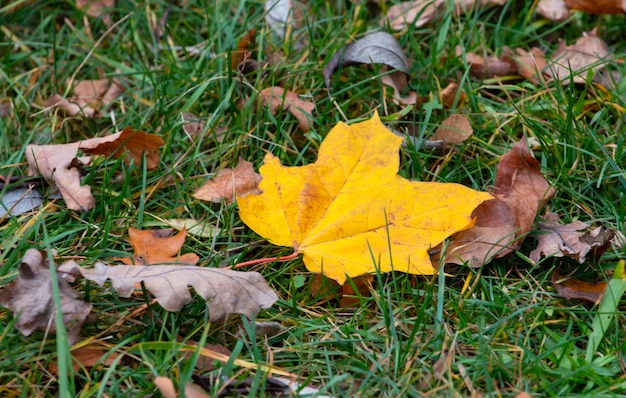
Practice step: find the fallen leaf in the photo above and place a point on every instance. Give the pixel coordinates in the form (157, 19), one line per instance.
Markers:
(374, 48)
(530, 64)
(229, 183)
(245, 46)
(87, 356)
(166, 387)
(454, 130)
(158, 246)
(135, 143)
(283, 16)
(88, 98)
(572, 62)
(571, 240)
(555, 10)
(598, 6)
(203, 229)
(350, 212)
(225, 291)
(192, 125)
(279, 98)
(30, 299)
(578, 289)
(19, 201)
(398, 81)
(58, 164)
(412, 13)
(487, 67)
(502, 224)
(97, 8)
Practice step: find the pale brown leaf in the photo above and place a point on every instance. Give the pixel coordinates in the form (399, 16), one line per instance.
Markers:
(89, 97)
(166, 387)
(530, 64)
(487, 67)
(572, 62)
(30, 299)
(279, 98)
(226, 291)
(158, 246)
(555, 10)
(97, 8)
(229, 183)
(417, 13)
(454, 130)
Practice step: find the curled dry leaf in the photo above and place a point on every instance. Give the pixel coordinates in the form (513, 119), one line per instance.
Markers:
(417, 13)
(335, 212)
(89, 97)
(487, 67)
(572, 62)
(97, 8)
(158, 246)
(279, 98)
(88, 356)
(529, 64)
(571, 240)
(454, 130)
(502, 224)
(598, 6)
(30, 299)
(555, 10)
(225, 291)
(374, 48)
(58, 164)
(578, 289)
(229, 183)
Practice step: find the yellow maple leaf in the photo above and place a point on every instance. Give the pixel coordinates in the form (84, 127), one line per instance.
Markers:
(350, 213)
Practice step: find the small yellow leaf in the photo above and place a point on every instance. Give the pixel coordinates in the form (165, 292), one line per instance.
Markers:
(351, 213)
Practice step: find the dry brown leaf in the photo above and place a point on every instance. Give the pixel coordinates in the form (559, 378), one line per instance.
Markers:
(454, 130)
(554, 10)
(503, 223)
(192, 125)
(30, 299)
(529, 64)
(598, 6)
(487, 67)
(578, 289)
(88, 98)
(166, 387)
(569, 240)
(97, 8)
(229, 183)
(225, 291)
(286, 16)
(58, 164)
(397, 81)
(279, 98)
(87, 357)
(135, 143)
(158, 246)
(417, 13)
(572, 62)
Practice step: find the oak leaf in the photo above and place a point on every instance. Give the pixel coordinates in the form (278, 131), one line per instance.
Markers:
(225, 291)
(229, 183)
(158, 246)
(350, 213)
(29, 297)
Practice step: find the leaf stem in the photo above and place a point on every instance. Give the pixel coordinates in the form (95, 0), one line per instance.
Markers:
(266, 260)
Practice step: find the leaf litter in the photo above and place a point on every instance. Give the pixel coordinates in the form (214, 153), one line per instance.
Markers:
(229, 183)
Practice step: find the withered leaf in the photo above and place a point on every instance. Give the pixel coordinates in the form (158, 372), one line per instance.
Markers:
(571, 240)
(529, 64)
(89, 97)
(502, 224)
(417, 13)
(226, 291)
(572, 62)
(598, 6)
(454, 130)
(374, 48)
(30, 299)
(87, 357)
(97, 8)
(279, 98)
(578, 289)
(158, 246)
(555, 10)
(229, 183)
(487, 67)
(283, 16)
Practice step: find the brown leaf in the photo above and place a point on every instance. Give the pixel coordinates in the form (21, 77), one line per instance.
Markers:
(192, 125)
(87, 357)
(70, 106)
(598, 6)
(135, 143)
(229, 183)
(578, 289)
(30, 299)
(166, 387)
(571, 240)
(158, 246)
(572, 62)
(454, 130)
(417, 13)
(279, 98)
(58, 165)
(226, 291)
(487, 67)
(397, 81)
(88, 98)
(555, 10)
(503, 223)
(529, 64)
(245, 46)
(97, 8)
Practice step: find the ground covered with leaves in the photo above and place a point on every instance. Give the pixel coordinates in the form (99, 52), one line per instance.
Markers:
(347, 198)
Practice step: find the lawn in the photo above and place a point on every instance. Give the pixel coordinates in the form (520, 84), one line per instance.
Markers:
(496, 330)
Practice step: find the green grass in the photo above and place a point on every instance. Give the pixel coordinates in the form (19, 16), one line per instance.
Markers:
(503, 332)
